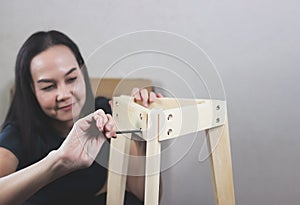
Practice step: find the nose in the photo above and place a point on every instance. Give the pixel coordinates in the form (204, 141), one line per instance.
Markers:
(64, 92)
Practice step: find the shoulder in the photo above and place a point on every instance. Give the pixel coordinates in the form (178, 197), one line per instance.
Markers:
(10, 138)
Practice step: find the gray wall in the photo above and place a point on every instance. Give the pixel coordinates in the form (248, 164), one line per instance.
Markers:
(255, 46)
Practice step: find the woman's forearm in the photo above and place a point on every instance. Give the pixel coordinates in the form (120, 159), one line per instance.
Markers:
(20, 185)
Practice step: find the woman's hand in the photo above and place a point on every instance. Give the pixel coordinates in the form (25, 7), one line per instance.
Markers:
(144, 97)
(85, 140)
(77, 151)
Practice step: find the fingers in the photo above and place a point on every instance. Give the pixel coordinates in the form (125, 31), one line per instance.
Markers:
(110, 102)
(143, 96)
(105, 123)
(100, 118)
(110, 127)
(136, 94)
(152, 97)
(159, 95)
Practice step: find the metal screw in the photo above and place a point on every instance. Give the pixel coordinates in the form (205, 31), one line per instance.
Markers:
(170, 116)
(218, 107)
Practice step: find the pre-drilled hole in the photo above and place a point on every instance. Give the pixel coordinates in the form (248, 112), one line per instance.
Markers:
(170, 116)
(169, 131)
(141, 116)
(218, 107)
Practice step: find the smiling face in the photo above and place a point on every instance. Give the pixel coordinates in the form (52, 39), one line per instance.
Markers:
(58, 83)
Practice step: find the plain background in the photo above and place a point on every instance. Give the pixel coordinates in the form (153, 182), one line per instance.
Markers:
(255, 46)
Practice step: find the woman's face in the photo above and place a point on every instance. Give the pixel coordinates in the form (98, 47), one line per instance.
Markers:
(58, 83)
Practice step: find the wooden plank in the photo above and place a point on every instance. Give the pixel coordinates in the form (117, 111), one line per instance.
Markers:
(169, 103)
(118, 158)
(153, 150)
(131, 116)
(118, 165)
(192, 118)
(221, 165)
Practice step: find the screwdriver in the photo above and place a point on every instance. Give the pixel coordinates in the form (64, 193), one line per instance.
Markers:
(128, 131)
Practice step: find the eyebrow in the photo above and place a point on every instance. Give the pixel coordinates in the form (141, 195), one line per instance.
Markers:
(70, 71)
(51, 81)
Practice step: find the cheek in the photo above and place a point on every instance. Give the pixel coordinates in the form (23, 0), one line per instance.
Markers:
(80, 91)
(45, 100)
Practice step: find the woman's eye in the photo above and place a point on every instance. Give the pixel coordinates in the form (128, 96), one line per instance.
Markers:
(48, 87)
(70, 80)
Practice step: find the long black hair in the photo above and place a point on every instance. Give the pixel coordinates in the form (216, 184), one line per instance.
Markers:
(25, 112)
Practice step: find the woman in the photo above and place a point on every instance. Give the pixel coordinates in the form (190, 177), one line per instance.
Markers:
(51, 134)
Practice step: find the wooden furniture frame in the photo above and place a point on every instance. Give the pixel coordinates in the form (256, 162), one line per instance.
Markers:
(169, 118)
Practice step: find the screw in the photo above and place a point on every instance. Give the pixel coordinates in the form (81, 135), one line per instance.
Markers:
(170, 116)
(218, 107)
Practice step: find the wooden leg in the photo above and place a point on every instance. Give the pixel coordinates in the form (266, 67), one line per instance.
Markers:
(117, 173)
(221, 166)
(153, 149)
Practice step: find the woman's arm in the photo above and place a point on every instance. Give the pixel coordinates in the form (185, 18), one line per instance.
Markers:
(20, 185)
(78, 151)
(8, 162)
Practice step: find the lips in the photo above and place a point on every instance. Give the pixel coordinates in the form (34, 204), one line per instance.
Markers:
(66, 107)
